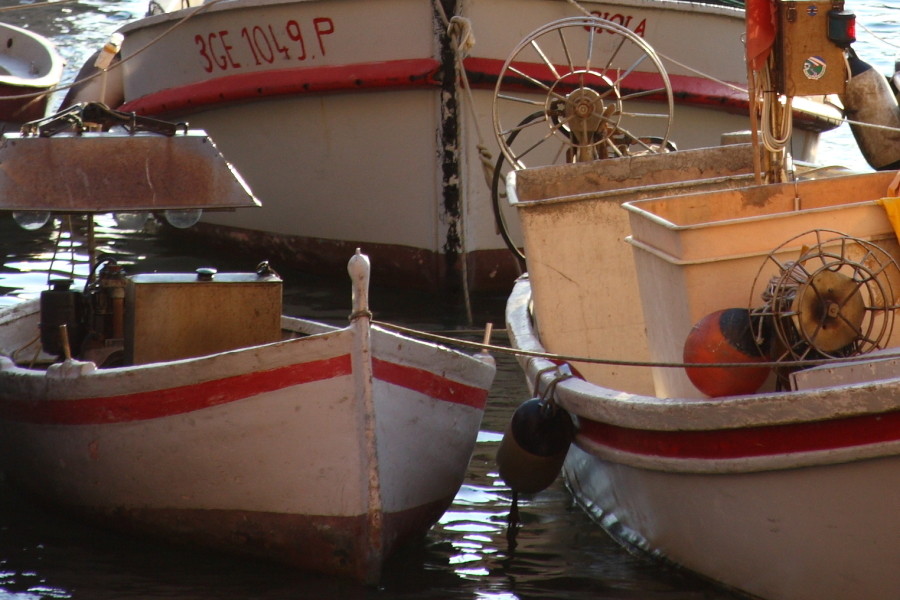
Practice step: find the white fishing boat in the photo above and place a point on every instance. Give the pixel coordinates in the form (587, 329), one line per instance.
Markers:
(30, 67)
(722, 352)
(186, 407)
(327, 115)
(784, 493)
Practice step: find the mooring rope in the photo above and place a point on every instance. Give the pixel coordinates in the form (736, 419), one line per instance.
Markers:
(568, 358)
(744, 90)
(35, 5)
(66, 86)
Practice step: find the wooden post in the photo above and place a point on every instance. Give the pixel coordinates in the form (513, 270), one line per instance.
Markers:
(360, 319)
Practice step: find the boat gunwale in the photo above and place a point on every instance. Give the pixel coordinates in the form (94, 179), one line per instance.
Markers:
(54, 69)
(632, 206)
(710, 94)
(459, 368)
(638, 411)
(229, 5)
(611, 194)
(730, 435)
(674, 5)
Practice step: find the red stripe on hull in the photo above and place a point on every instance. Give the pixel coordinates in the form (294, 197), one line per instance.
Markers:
(399, 74)
(411, 73)
(483, 72)
(748, 442)
(429, 384)
(687, 90)
(178, 400)
(171, 401)
(22, 109)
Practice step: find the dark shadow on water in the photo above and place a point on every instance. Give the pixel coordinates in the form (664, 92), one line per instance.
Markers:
(558, 554)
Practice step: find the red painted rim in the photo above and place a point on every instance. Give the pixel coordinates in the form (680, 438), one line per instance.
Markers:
(188, 398)
(747, 442)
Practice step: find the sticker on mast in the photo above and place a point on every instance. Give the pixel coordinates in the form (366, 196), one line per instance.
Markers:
(814, 67)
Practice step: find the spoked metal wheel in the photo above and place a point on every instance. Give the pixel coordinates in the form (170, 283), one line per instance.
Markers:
(835, 299)
(581, 88)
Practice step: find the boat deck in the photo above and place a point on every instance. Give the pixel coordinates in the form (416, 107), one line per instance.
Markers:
(14, 67)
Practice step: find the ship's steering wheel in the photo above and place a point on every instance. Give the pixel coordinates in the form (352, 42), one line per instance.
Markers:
(579, 89)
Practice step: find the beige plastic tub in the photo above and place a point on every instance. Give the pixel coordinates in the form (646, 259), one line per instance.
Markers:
(584, 284)
(698, 253)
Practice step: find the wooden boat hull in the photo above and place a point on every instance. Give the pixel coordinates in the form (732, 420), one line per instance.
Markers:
(366, 129)
(780, 495)
(271, 451)
(29, 66)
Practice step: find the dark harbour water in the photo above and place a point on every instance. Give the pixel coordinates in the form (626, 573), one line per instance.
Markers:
(558, 553)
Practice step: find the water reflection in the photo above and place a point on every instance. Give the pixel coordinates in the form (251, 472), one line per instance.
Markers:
(556, 553)
(58, 250)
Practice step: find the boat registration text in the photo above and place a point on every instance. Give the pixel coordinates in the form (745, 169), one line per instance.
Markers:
(263, 44)
(638, 27)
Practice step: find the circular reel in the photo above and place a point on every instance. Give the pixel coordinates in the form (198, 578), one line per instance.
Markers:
(569, 91)
(835, 299)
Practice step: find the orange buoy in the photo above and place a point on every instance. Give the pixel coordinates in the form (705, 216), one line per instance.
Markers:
(724, 336)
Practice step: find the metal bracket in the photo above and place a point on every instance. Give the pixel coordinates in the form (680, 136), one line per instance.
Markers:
(95, 116)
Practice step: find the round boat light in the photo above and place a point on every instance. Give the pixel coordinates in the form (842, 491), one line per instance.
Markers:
(31, 220)
(182, 219)
(131, 221)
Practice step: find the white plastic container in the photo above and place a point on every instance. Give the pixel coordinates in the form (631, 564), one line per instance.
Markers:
(573, 225)
(698, 253)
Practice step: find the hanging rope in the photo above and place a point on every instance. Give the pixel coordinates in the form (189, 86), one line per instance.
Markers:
(460, 31)
(775, 125)
(568, 358)
(34, 5)
(63, 87)
(877, 37)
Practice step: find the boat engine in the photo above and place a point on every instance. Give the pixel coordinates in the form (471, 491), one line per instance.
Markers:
(868, 99)
(60, 324)
(153, 317)
(104, 314)
(88, 325)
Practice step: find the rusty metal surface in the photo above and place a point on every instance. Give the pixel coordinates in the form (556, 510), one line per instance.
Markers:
(109, 172)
